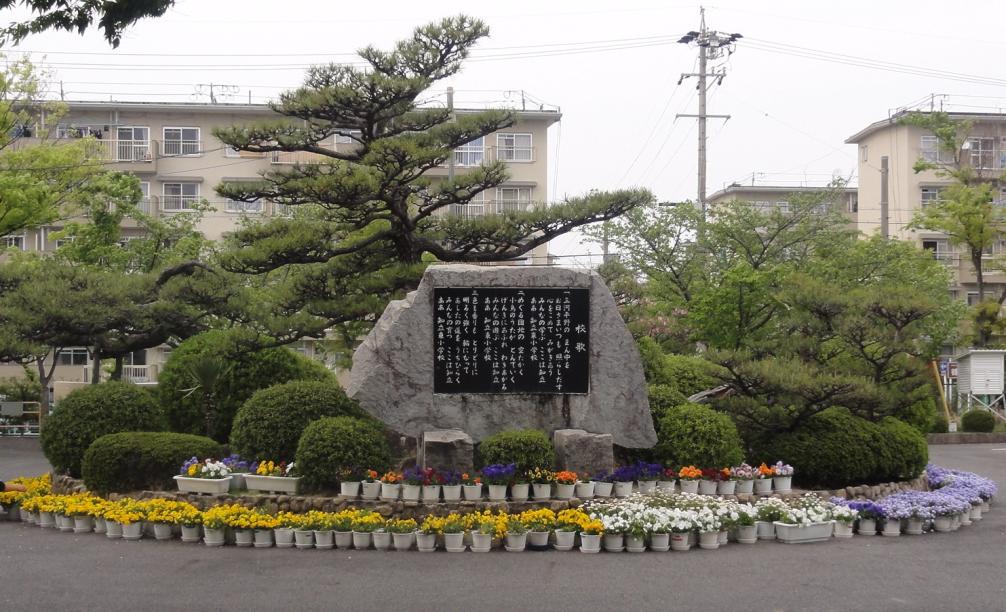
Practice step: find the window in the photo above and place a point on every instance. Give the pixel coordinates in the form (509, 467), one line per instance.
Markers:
(282, 210)
(14, 242)
(762, 206)
(514, 147)
(78, 131)
(783, 207)
(181, 141)
(853, 205)
(133, 144)
(864, 152)
(972, 298)
(512, 198)
(981, 152)
(72, 356)
(233, 206)
(180, 196)
(144, 204)
(476, 207)
(347, 137)
(931, 195)
(62, 242)
(940, 249)
(472, 153)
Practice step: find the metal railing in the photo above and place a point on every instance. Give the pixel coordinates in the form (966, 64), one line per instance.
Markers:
(179, 203)
(137, 374)
(127, 151)
(491, 207)
(181, 147)
(296, 157)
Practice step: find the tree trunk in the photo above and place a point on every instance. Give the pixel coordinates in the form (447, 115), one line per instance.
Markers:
(982, 337)
(96, 365)
(117, 370)
(43, 396)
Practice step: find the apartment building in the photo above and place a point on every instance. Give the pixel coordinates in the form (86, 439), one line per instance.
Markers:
(768, 197)
(170, 147)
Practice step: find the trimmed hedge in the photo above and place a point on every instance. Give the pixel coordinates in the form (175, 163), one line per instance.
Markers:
(270, 423)
(333, 443)
(979, 420)
(940, 425)
(90, 412)
(907, 451)
(527, 448)
(662, 398)
(694, 434)
(139, 460)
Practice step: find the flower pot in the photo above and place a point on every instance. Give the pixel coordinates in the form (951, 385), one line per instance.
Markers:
(518, 492)
(371, 490)
(666, 486)
(516, 542)
(132, 531)
(584, 490)
(965, 518)
(614, 542)
(99, 525)
(454, 542)
(113, 530)
(564, 540)
(976, 513)
(635, 544)
(565, 491)
(382, 540)
(349, 489)
(693, 538)
(162, 531)
(843, 529)
(214, 537)
(362, 540)
(411, 492)
(914, 526)
(747, 534)
(680, 541)
(402, 541)
(238, 482)
(892, 528)
(324, 539)
(726, 487)
(709, 540)
(426, 542)
(33, 518)
(14, 512)
(590, 543)
(263, 538)
(782, 484)
(24, 514)
(660, 542)
(765, 529)
(538, 540)
(303, 538)
(690, 486)
(763, 486)
(867, 526)
(85, 524)
(985, 506)
(542, 491)
(707, 487)
(647, 486)
(452, 493)
(744, 487)
(602, 489)
(283, 537)
(497, 492)
(955, 522)
(431, 494)
(482, 542)
(343, 539)
(474, 492)
(803, 534)
(622, 488)
(390, 491)
(244, 538)
(943, 524)
(63, 522)
(204, 486)
(724, 537)
(272, 484)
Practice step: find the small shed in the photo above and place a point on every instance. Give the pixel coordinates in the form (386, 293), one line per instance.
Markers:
(980, 376)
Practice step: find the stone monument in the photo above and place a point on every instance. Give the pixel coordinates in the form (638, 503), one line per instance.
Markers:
(482, 349)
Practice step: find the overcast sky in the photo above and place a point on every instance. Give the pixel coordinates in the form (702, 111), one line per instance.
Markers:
(796, 87)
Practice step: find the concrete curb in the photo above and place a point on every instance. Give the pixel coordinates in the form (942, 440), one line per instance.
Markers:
(967, 438)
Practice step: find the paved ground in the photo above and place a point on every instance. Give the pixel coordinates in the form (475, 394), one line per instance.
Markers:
(46, 570)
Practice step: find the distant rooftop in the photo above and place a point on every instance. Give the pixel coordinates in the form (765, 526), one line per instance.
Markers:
(736, 188)
(958, 106)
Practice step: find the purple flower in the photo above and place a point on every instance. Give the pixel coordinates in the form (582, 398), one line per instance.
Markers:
(648, 471)
(625, 473)
(451, 477)
(498, 473)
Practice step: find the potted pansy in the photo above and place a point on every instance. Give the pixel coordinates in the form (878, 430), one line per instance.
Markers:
(565, 484)
(647, 475)
(602, 484)
(215, 523)
(567, 523)
(519, 487)
(769, 510)
(807, 520)
(709, 481)
(782, 477)
(273, 477)
(708, 524)
(429, 529)
(403, 533)
(689, 477)
(896, 509)
(727, 485)
(744, 523)
(391, 485)
(238, 468)
(516, 534)
(484, 529)
(364, 524)
(451, 485)
(591, 531)
(370, 485)
(350, 479)
(283, 532)
(432, 481)
(681, 522)
(412, 483)
(541, 483)
(454, 533)
(668, 476)
(322, 528)
(868, 513)
(471, 486)
(744, 475)
(623, 477)
(539, 523)
(497, 476)
(584, 488)
(342, 524)
(763, 480)
(615, 526)
(206, 477)
(844, 517)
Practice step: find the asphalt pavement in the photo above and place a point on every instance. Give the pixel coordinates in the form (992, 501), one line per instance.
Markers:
(47, 570)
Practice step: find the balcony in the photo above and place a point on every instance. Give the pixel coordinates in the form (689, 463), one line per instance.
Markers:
(179, 203)
(291, 158)
(481, 209)
(467, 157)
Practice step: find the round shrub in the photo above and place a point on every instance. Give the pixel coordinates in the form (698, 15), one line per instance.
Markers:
(215, 369)
(141, 460)
(527, 448)
(940, 425)
(270, 423)
(90, 412)
(905, 451)
(333, 443)
(978, 420)
(663, 397)
(693, 434)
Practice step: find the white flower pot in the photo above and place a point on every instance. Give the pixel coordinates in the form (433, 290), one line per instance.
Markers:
(538, 539)
(343, 539)
(272, 484)
(635, 544)
(976, 513)
(709, 540)
(431, 494)
(370, 490)
(349, 489)
(497, 492)
(303, 538)
(99, 525)
(965, 518)
(843, 529)
(452, 493)
(244, 537)
(647, 486)
(943, 524)
(382, 540)
(914, 526)
(564, 540)
(763, 486)
(744, 487)
(782, 484)
(614, 542)
(541, 491)
(590, 543)
(707, 487)
(516, 542)
(362, 540)
(482, 542)
(24, 514)
(474, 492)
(390, 491)
(324, 539)
(726, 487)
(892, 528)
(660, 542)
(190, 534)
(955, 522)
(64, 522)
(602, 489)
(411, 492)
(690, 486)
(666, 486)
(564, 491)
(623, 488)
(214, 537)
(132, 531)
(402, 541)
(747, 534)
(584, 490)
(985, 506)
(83, 524)
(765, 529)
(162, 531)
(802, 534)
(518, 492)
(454, 542)
(263, 538)
(283, 537)
(867, 526)
(724, 538)
(205, 486)
(33, 518)
(680, 541)
(113, 530)
(238, 481)
(426, 542)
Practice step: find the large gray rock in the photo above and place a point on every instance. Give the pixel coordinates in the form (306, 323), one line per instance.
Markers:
(448, 449)
(582, 452)
(392, 374)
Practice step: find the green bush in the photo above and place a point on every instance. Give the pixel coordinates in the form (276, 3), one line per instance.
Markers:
(921, 415)
(270, 423)
(687, 374)
(141, 460)
(663, 397)
(527, 448)
(694, 434)
(906, 451)
(979, 419)
(334, 443)
(213, 369)
(940, 425)
(90, 412)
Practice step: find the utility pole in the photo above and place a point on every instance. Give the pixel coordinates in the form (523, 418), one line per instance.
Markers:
(450, 107)
(884, 206)
(712, 45)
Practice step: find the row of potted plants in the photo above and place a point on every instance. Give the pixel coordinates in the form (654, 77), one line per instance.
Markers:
(214, 477)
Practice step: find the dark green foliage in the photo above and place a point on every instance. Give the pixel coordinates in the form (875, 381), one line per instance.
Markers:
(921, 415)
(905, 451)
(188, 388)
(940, 425)
(694, 434)
(269, 425)
(90, 412)
(112, 18)
(139, 460)
(527, 448)
(332, 444)
(979, 420)
(661, 398)
(688, 374)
